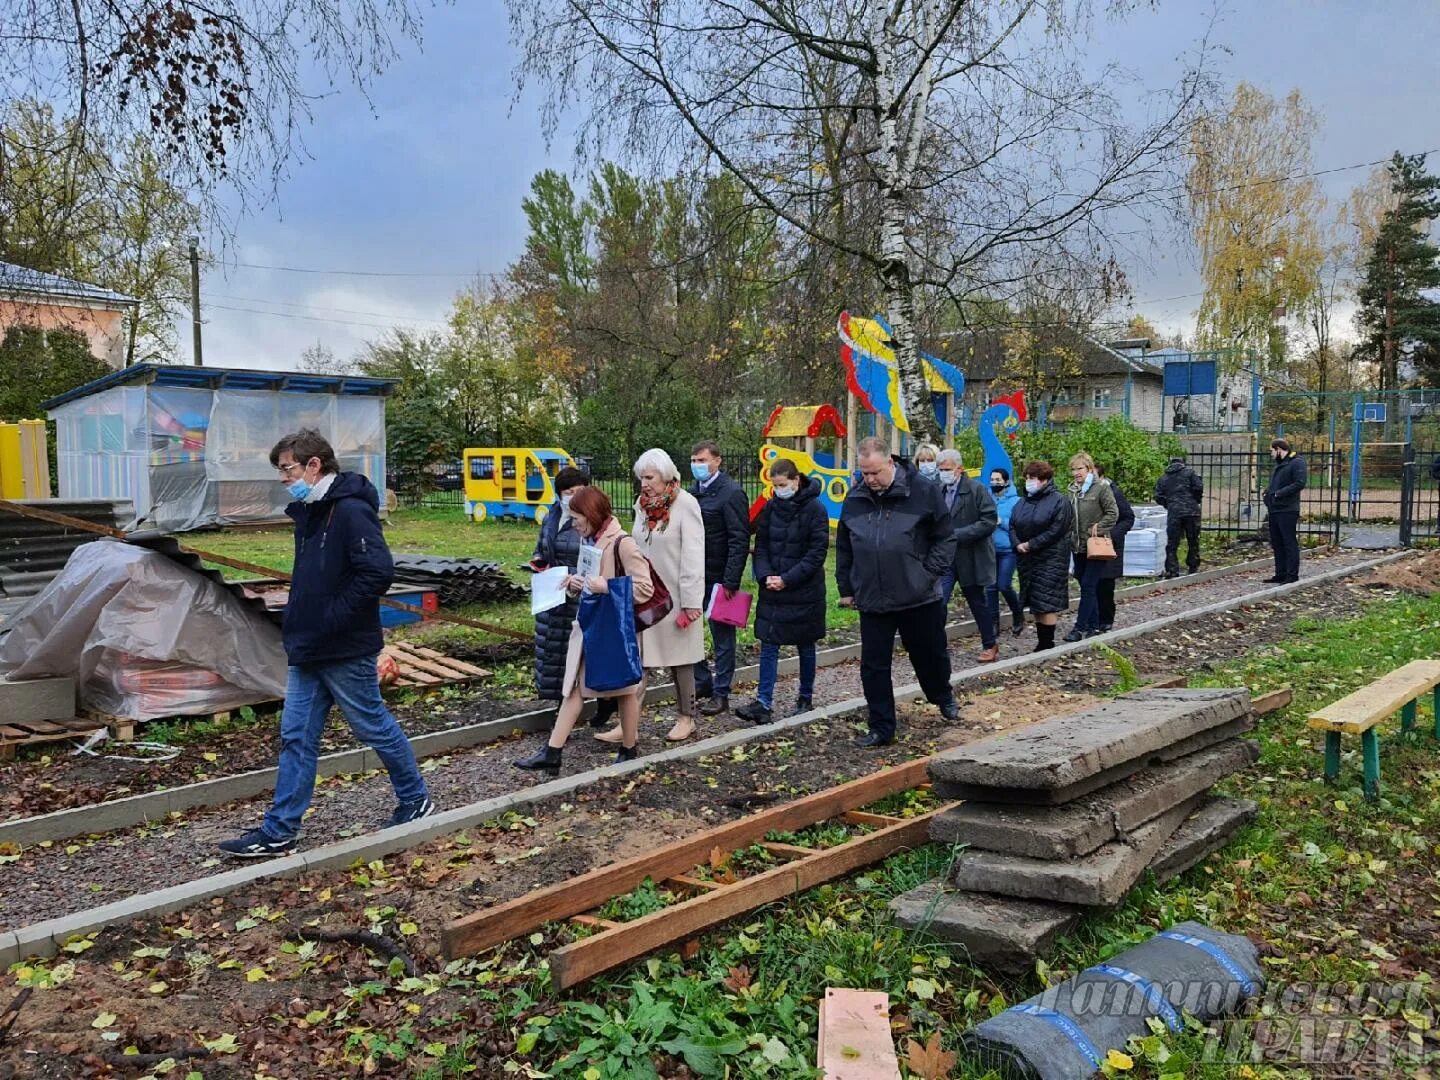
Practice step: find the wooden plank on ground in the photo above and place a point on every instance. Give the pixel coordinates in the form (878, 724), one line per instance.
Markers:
(855, 1038)
(1169, 682)
(1366, 707)
(419, 663)
(788, 851)
(860, 817)
(694, 884)
(1274, 701)
(594, 922)
(574, 963)
(486, 929)
(449, 661)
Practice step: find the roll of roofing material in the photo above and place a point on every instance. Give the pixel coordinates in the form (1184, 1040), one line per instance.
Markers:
(1066, 1032)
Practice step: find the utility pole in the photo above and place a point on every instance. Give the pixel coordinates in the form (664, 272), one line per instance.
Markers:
(195, 297)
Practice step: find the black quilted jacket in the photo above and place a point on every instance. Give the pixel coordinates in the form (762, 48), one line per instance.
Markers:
(1043, 521)
(556, 547)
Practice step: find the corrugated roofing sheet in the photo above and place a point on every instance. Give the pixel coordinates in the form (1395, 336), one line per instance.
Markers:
(208, 378)
(21, 280)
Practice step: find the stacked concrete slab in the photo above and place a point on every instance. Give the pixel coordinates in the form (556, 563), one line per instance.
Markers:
(1069, 814)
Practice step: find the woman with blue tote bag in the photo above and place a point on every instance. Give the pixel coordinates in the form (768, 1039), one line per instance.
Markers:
(603, 660)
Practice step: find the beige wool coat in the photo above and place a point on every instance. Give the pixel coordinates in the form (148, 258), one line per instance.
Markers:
(678, 555)
(632, 564)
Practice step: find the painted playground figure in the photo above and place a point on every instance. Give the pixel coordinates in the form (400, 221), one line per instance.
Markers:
(893, 545)
(973, 519)
(332, 636)
(1282, 499)
(726, 512)
(1180, 491)
(792, 538)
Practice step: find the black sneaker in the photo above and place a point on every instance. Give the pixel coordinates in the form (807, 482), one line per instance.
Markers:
(1273, 581)
(950, 710)
(870, 740)
(256, 844)
(754, 713)
(715, 706)
(1075, 635)
(802, 705)
(413, 811)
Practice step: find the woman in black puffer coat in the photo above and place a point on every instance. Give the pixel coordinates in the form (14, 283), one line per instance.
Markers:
(1040, 535)
(559, 545)
(792, 538)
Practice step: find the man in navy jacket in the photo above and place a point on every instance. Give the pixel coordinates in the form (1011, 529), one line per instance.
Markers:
(894, 544)
(726, 513)
(332, 637)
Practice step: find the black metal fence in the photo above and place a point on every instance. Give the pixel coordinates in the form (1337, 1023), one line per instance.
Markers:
(1235, 484)
(1419, 495)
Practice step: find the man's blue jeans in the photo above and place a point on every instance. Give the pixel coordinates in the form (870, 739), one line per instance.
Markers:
(311, 691)
(722, 636)
(770, 671)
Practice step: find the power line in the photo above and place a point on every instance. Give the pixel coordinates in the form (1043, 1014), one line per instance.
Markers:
(315, 307)
(371, 273)
(317, 318)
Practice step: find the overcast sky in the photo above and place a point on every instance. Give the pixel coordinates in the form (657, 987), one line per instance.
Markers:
(426, 178)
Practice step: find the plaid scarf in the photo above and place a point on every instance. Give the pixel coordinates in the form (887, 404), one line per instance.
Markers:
(657, 507)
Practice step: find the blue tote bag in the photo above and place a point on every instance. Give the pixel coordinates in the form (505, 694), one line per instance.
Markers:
(607, 626)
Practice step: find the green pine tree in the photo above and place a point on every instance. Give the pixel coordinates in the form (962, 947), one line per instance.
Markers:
(1399, 320)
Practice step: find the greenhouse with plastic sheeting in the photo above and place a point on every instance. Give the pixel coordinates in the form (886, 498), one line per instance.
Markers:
(190, 446)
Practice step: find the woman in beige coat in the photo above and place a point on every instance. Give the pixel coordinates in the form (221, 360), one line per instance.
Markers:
(620, 556)
(671, 532)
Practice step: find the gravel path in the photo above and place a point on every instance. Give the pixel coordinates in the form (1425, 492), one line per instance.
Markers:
(49, 881)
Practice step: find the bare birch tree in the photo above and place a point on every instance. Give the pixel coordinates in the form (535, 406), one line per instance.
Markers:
(983, 146)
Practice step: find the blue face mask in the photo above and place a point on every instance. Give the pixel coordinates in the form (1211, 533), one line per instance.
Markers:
(700, 471)
(785, 493)
(299, 490)
(930, 469)
(1089, 480)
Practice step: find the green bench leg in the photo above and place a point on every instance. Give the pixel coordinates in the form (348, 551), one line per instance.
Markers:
(1332, 755)
(1370, 745)
(1407, 717)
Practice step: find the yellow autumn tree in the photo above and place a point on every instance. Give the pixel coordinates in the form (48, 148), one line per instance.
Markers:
(1257, 220)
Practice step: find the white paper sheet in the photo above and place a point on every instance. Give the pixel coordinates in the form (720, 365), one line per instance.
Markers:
(547, 589)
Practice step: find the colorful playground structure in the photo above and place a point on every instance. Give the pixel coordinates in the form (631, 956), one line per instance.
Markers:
(511, 482)
(873, 385)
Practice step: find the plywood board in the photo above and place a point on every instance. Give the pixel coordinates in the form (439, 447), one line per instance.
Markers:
(855, 1038)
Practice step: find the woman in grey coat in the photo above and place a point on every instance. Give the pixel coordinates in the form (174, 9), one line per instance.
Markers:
(1094, 510)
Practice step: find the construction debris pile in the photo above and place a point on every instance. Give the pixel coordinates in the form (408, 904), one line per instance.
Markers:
(1068, 814)
(458, 581)
(32, 552)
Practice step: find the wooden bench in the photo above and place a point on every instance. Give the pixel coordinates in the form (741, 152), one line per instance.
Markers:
(1360, 713)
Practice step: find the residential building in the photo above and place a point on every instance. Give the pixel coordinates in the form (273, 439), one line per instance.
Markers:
(50, 302)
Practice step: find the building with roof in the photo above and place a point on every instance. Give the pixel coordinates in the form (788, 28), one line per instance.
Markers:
(50, 302)
(190, 446)
(1153, 390)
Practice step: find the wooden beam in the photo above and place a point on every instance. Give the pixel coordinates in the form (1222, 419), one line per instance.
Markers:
(1274, 701)
(594, 923)
(789, 851)
(486, 929)
(573, 964)
(1169, 682)
(860, 817)
(693, 884)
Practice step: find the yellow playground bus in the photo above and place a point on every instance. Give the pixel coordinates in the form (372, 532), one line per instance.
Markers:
(511, 482)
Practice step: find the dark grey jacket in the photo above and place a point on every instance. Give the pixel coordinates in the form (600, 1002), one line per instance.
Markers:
(1286, 483)
(893, 547)
(726, 513)
(1179, 490)
(973, 518)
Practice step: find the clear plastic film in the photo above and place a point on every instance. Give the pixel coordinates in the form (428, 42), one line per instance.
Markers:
(144, 637)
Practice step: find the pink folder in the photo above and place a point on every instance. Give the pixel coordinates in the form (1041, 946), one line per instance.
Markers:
(732, 612)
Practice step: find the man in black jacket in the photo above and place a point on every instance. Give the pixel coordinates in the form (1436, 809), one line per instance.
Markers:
(726, 513)
(332, 636)
(1282, 498)
(893, 545)
(1179, 490)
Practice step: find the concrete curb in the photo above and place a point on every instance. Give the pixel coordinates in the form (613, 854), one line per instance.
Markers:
(46, 938)
(156, 805)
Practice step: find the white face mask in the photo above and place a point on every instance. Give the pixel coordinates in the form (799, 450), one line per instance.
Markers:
(565, 502)
(1033, 485)
(949, 477)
